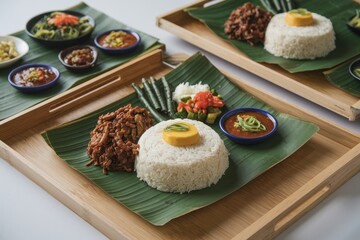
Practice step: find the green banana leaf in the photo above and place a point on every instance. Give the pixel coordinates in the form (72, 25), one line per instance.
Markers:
(339, 12)
(341, 78)
(246, 161)
(13, 101)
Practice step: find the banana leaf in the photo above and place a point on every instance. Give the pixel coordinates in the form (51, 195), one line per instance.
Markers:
(341, 78)
(337, 11)
(13, 101)
(246, 161)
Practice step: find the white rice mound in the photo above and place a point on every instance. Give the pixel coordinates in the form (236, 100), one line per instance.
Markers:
(181, 169)
(308, 42)
(186, 90)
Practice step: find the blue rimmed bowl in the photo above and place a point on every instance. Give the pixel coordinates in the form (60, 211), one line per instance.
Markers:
(353, 68)
(120, 50)
(251, 139)
(30, 89)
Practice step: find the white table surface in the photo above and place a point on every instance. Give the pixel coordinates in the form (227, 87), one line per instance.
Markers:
(29, 212)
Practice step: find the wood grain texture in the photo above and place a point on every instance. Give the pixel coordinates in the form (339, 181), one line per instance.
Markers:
(79, 95)
(260, 210)
(310, 85)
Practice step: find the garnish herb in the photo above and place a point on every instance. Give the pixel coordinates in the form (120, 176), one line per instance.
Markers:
(249, 124)
(178, 127)
(300, 11)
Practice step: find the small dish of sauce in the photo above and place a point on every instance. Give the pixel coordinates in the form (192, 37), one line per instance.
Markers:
(248, 125)
(33, 77)
(118, 41)
(78, 57)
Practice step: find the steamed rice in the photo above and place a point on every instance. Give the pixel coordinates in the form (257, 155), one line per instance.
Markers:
(181, 169)
(186, 90)
(308, 42)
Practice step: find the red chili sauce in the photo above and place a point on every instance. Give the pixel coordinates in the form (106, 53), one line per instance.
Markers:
(117, 40)
(33, 76)
(79, 57)
(230, 128)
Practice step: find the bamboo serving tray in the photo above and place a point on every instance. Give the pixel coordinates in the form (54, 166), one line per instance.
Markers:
(259, 210)
(310, 85)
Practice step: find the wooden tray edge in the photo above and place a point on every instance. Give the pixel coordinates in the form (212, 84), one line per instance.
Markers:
(73, 97)
(305, 198)
(352, 112)
(266, 227)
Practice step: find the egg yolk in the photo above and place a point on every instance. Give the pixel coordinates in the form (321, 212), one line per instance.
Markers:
(181, 137)
(299, 18)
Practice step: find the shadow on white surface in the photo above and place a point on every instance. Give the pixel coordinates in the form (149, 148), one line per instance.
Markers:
(335, 218)
(43, 217)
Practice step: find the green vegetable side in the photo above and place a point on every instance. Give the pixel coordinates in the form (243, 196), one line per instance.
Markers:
(61, 26)
(204, 106)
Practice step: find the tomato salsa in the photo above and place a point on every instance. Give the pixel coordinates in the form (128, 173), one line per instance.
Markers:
(119, 39)
(33, 76)
(231, 127)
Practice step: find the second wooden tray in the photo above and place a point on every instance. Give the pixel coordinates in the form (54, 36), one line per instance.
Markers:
(259, 210)
(310, 85)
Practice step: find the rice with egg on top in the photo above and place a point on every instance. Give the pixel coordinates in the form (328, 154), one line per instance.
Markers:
(307, 42)
(181, 169)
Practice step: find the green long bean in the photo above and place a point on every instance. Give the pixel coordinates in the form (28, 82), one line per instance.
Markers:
(284, 6)
(268, 5)
(290, 4)
(277, 5)
(146, 103)
(169, 101)
(159, 95)
(151, 95)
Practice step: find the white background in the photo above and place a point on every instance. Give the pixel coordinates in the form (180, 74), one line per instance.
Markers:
(29, 212)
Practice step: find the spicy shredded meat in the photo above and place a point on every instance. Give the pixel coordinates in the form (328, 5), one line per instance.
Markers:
(113, 144)
(248, 23)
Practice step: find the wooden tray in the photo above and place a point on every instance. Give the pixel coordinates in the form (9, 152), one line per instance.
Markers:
(310, 85)
(259, 210)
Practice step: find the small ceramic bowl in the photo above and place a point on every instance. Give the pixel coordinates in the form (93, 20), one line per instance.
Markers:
(64, 53)
(251, 139)
(59, 43)
(30, 89)
(121, 50)
(21, 47)
(353, 66)
(354, 29)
